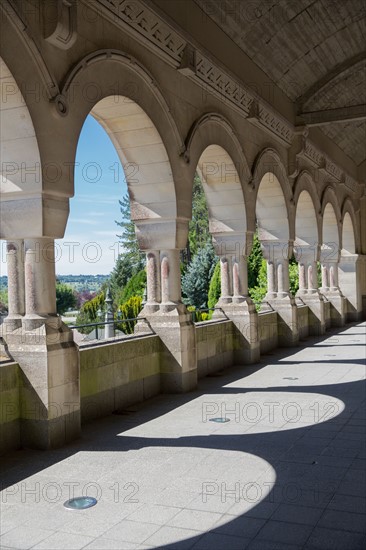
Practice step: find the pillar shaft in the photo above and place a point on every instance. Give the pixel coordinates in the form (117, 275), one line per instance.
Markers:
(15, 262)
(240, 277)
(283, 281)
(40, 280)
(302, 277)
(325, 285)
(170, 276)
(226, 293)
(153, 277)
(271, 280)
(312, 277)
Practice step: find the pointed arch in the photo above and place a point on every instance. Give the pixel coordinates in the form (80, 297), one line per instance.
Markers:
(331, 219)
(350, 235)
(215, 152)
(307, 213)
(273, 200)
(124, 97)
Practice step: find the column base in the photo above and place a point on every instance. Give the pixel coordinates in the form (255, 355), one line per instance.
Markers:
(246, 336)
(173, 324)
(338, 307)
(49, 384)
(316, 316)
(288, 330)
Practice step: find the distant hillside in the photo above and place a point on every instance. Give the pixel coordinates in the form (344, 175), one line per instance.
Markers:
(78, 282)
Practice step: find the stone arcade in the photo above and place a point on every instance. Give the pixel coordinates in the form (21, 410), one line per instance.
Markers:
(179, 89)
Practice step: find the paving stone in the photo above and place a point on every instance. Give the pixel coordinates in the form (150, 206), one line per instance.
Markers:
(346, 521)
(287, 533)
(331, 539)
(131, 531)
(217, 541)
(195, 519)
(297, 514)
(61, 540)
(24, 537)
(167, 535)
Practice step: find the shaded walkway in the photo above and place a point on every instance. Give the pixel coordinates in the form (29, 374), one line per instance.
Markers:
(287, 471)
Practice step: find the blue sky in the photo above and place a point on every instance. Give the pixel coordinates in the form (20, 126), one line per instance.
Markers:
(91, 244)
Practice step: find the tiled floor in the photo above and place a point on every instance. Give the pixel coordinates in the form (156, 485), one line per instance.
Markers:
(287, 472)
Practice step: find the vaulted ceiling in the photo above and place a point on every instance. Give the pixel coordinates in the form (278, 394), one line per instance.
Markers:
(315, 51)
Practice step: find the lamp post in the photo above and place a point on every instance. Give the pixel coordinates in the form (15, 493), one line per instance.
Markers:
(109, 317)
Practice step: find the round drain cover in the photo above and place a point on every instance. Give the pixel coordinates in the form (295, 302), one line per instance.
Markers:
(80, 503)
(220, 420)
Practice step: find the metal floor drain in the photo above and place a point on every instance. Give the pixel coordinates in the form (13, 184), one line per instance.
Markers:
(80, 503)
(220, 420)
(290, 378)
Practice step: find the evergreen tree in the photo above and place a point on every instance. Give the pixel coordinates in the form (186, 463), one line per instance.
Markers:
(198, 233)
(259, 290)
(135, 286)
(214, 291)
(196, 280)
(131, 260)
(254, 262)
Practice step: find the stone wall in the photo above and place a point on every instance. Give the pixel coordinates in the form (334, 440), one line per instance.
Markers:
(10, 407)
(215, 346)
(303, 321)
(114, 376)
(268, 331)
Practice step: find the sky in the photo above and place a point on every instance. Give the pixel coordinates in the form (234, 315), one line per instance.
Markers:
(91, 245)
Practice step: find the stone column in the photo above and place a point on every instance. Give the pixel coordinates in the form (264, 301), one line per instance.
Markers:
(308, 289)
(170, 277)
(40, 281)
(330, 289)
(240, 279)
(271, 280)
(302, 278)
(16, 296)
(235, 301)
(278, 294)
(352, 280)
(170, 320)
(47, 355)
(153, 280)
(226, 280)
(325, 281)
(283, 283)
(312, 276)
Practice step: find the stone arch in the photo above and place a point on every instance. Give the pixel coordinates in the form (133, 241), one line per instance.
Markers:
(307, 214)
(331, 217)
(349, 244)
(21, 171)
(349, 268)
(273, 195)
(215, 153)
(124, 98)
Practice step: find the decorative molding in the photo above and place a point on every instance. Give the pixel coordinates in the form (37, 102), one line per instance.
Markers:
(147, 25)
(216, 81)
(61, 32)
(263, 117)
(188, 65)
(333, 169)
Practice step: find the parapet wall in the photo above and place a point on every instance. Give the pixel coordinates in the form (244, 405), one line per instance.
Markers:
(10, 407)
(118, 374)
